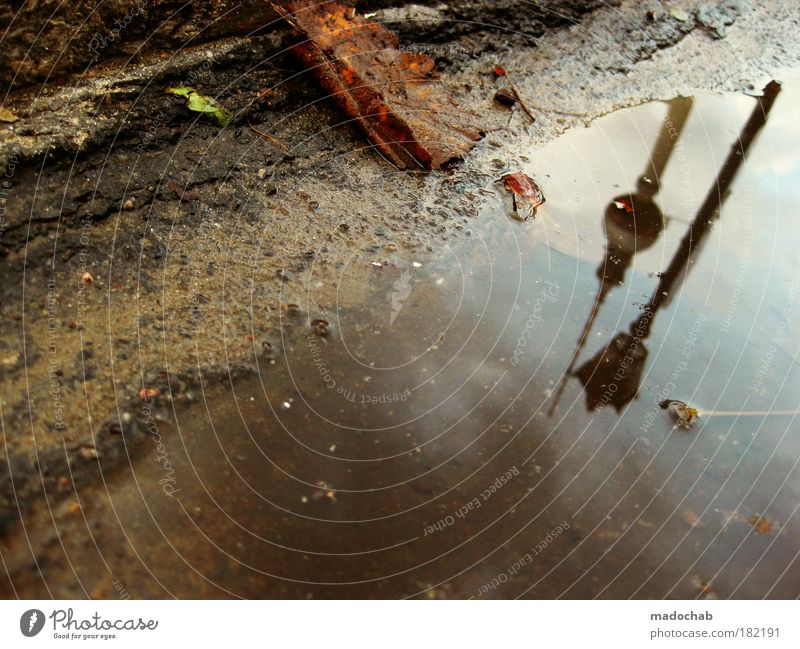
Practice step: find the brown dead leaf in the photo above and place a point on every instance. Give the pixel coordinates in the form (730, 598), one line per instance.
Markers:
(523, 186)
(530, 196)
(393, 95)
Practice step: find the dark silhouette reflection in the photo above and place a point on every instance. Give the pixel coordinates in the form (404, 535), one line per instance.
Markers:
(613, 375)
(633, 222)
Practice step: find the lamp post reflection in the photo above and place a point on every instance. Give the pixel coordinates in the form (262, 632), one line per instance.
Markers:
(633, 222)
(613, 375)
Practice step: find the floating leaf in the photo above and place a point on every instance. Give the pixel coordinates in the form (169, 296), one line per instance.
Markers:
(685, 416)
(704, 587)
(522, 186)
(202, 104)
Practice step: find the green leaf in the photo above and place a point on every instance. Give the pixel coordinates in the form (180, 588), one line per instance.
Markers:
(202, 104)
(181, 91)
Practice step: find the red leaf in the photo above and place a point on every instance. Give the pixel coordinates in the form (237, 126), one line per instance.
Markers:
(523, 186)
(499, 71)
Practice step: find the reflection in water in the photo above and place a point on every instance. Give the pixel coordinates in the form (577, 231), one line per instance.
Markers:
(613, 375)
(633, 223)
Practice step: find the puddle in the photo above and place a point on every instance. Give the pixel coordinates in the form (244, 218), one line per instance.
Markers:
(486, 422)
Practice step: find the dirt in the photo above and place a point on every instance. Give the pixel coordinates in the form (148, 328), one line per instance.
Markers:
(197, 238)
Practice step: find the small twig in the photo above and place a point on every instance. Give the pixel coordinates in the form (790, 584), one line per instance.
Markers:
(519, 98)
(270, 138)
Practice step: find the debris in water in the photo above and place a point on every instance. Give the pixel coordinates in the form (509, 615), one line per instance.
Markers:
(523, 186)
(685, 416)
(201, 104)
(705, 588)
(761, 524)
(320, 327)
(393, 94)
(324, 491)
(748, 413)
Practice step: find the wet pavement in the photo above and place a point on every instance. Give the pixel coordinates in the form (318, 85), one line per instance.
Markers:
(484, 420)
